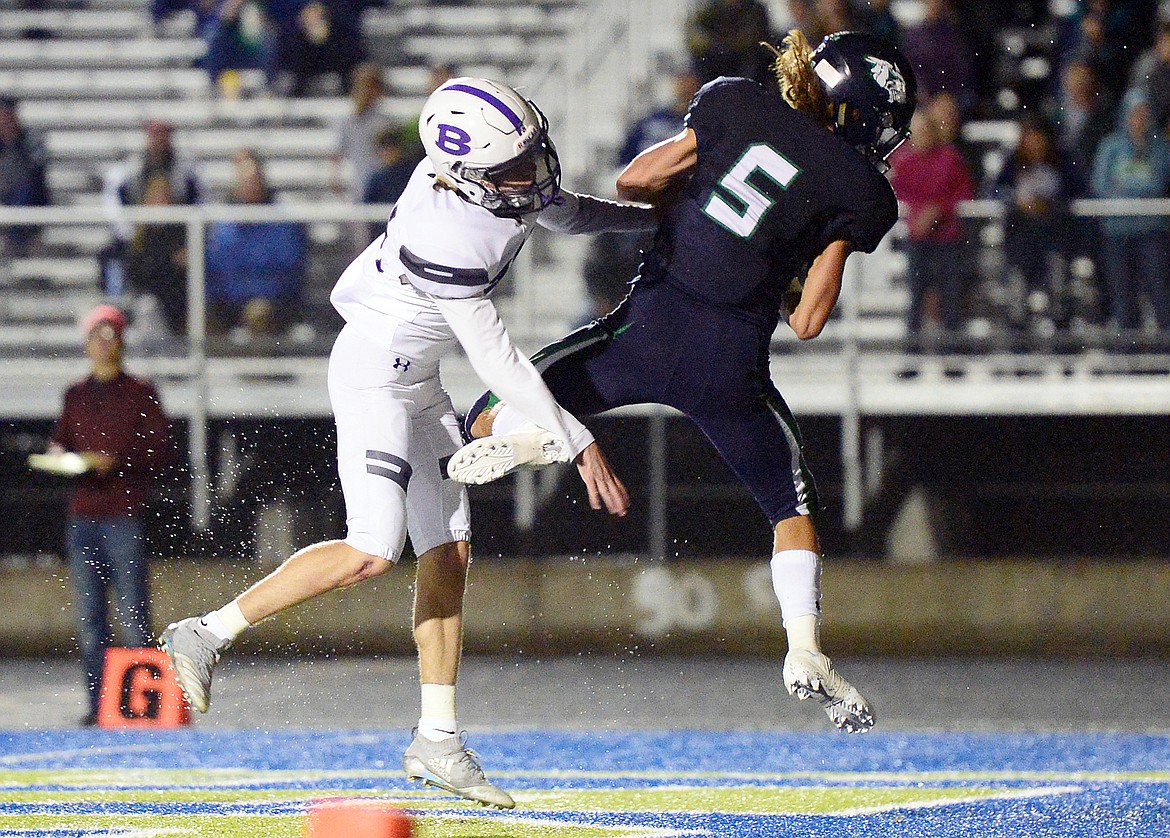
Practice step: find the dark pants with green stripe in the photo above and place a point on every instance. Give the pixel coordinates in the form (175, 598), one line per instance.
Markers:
(661, 346)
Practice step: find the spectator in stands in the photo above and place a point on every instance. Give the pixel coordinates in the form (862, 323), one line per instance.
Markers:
(930, 178)
(942, 55)
(723, 38)
(203, 10)
(355, 136)
(390, 178)
(239, 38)
(801, 14)
(1033, 186)
(948, 120)
(156, 259)
(984, 24)
(115, 422)
(23, 181)
(1151, 73)
(314, 38)
(125, 184)
(837, 16)
(134, 183)
(254, 269)
(440, 74)
(1109, 35)
(1083, 113)
(664, 122)
(237, 33)
(355, 156)
(1133, 162)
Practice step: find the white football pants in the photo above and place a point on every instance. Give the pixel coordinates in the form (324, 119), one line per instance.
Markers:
(392, 432)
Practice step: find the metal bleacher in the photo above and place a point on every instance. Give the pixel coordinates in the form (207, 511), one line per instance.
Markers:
(88, 74)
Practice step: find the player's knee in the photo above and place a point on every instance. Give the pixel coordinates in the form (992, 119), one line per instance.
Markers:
(372, 566)
(447, 562)
(442, 574)
(795, 532)
(360, 565)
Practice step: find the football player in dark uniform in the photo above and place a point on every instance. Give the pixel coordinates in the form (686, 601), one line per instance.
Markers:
(760, 207)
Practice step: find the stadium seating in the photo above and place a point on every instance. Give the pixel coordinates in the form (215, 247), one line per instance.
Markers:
(97, 70)
(89, 74)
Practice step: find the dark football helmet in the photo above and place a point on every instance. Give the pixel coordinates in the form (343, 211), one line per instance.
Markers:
(872, 89)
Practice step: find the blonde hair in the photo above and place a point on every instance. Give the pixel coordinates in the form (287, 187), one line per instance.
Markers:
(794, 73)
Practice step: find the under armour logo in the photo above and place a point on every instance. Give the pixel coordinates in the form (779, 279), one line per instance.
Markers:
(453, 140)
(401, 364)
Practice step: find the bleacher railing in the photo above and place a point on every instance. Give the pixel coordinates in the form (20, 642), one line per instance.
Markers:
(840, 374)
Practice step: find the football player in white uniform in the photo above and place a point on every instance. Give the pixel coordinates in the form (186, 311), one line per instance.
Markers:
(416, 292)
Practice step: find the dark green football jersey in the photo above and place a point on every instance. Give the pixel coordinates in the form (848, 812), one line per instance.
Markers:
(771, 189)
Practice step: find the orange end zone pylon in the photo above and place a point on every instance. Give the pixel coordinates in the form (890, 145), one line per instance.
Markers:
(348, 818)
(140, 689)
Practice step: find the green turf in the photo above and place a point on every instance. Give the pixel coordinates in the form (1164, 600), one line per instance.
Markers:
(60, 797)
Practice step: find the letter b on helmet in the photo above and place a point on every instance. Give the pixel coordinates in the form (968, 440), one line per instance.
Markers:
(453, 140)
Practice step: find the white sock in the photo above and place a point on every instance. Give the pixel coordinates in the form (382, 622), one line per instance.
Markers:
(438, 719)
(796, 579)
(227, 622)
(509, 421)
(804, 632)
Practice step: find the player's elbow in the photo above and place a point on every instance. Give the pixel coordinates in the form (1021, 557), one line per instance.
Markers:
(640, 185)
(630, 188)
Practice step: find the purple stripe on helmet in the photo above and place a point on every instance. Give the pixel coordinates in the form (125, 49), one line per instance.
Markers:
(516, 121)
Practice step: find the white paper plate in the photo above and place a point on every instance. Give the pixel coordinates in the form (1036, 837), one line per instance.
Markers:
(68, 463)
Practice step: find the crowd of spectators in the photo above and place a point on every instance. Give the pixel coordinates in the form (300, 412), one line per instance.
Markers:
(1089, 124)
(295, 42)
(1052, 77)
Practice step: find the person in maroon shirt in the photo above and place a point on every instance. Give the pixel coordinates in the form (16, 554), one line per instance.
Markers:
(115, 422)
(930, 178)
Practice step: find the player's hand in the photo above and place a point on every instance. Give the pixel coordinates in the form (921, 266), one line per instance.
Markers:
(791, 297)
(604, 486)
(99, 462)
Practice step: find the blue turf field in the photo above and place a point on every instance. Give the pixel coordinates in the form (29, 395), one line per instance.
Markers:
(675, 783)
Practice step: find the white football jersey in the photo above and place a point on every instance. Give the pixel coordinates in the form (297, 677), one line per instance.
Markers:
(424, 284)
(435, 245)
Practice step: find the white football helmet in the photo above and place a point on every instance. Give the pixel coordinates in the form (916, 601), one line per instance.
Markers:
(492, 145)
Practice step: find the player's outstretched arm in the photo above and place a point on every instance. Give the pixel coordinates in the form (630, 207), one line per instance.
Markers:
(655, 176)
(822, 287)
(603, 484)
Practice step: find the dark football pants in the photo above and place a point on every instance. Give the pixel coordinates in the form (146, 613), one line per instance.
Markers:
(661, 346)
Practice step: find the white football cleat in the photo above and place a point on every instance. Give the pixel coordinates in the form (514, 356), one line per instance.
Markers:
(809, 674)
(491, 457)
(194, 652)
(450, 765)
